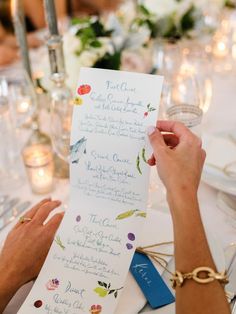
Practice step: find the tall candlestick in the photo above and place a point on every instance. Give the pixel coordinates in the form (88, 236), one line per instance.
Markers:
(17, 12)
(51, 16)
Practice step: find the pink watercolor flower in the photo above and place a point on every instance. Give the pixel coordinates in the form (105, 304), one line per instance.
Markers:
(96, 309)
(52, 284)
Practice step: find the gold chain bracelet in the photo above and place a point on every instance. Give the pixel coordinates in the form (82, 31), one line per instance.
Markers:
(178, 278)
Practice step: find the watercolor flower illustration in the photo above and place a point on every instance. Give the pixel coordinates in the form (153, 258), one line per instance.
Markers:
(38, 303)
(129, 246)
(78, 218)
(77, 150)
(52, 284)
(131, 237)
(78, 101)
(96, 309)
(149, 109)
(105, 289)
(84, 89)
(131, 213)
(59, 243)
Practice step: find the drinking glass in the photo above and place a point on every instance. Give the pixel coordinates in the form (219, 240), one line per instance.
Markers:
(22, 99)
(181, 100)
(11, 166)
(166, 56)
(198, 63)
(61, 117)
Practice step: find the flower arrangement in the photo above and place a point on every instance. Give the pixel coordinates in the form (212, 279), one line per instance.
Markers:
(92, 42)
(174, 18)
(120, 41)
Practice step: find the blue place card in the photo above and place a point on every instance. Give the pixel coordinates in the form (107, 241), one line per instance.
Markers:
(149, 280)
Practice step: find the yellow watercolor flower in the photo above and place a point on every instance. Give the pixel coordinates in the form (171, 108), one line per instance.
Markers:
(78, 101)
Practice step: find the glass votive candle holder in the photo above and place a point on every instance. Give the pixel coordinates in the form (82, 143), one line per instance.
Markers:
(39, 164)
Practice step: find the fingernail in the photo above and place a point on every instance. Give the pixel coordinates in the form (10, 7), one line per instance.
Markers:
(151, 130)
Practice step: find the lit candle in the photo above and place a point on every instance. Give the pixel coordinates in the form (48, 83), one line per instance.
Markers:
(20, 31)
(38, 160)
(51, 16)
(220, 49)
(23, 105)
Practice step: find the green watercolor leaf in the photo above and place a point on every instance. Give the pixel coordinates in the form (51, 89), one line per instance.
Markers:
(143, 155)
(141, 214)
(58, 242)
(126, 214)
(116, 294)
(138, 165)
(111, 291)
(101, 292)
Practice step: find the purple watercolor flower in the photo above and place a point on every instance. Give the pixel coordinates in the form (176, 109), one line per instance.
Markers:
(131, 236)
(129, 246)
(78, 218)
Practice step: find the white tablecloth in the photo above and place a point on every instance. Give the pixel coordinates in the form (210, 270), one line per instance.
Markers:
(220, 117)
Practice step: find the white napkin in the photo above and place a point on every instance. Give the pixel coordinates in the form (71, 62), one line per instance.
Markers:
(221, 151)
(157, 228)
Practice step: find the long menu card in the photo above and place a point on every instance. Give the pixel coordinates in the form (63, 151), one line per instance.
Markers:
(87, 265)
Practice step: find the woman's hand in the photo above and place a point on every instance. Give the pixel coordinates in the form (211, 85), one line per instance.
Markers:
(179, 159)
(178, 156)
(26, 248)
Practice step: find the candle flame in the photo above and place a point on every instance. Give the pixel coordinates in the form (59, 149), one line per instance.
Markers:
(41, 173)
(221, 46)
(24, 106)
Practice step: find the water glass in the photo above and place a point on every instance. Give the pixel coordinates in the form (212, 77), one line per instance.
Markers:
(181, 101)
(22, 99)
(11, 166)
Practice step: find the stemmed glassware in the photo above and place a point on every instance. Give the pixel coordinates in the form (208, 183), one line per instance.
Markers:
(22, 99)
(61, 116)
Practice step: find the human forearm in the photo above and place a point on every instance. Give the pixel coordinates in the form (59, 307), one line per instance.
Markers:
(192, 251)
(179, 159)
(9, 284)
(26, 248)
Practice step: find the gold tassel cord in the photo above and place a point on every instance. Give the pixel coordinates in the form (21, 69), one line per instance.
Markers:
(158, 257)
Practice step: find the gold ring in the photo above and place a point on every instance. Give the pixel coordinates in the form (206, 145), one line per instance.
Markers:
(24, 219)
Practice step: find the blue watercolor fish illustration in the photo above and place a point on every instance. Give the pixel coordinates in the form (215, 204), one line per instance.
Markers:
(77, 150)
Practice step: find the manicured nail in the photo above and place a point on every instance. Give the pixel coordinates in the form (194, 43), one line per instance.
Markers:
(151, 130)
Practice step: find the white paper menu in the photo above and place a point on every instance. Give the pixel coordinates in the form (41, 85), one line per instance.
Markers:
(88, 262)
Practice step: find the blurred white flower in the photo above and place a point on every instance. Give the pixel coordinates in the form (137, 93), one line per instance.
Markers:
(160, 8)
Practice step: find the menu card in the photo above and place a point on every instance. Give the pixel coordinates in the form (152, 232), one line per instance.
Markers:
(87, 265)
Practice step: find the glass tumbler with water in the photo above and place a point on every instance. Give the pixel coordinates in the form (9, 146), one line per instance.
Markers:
(11, 166)
(182, 101)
